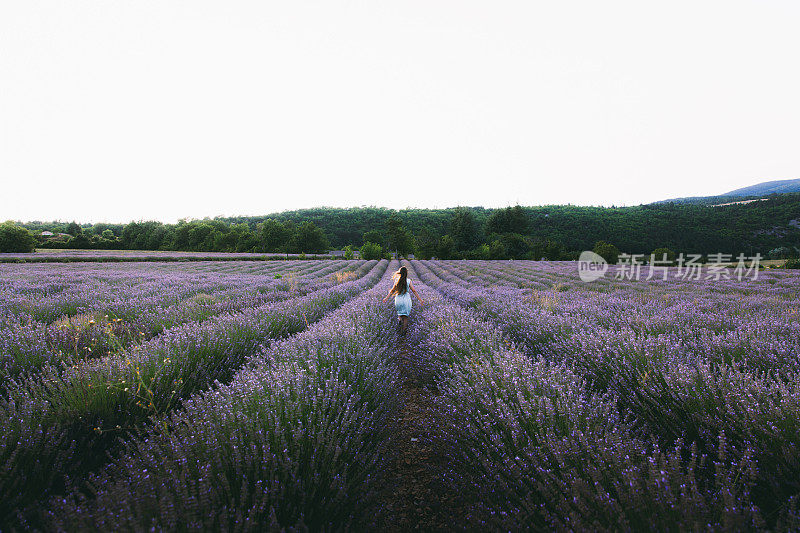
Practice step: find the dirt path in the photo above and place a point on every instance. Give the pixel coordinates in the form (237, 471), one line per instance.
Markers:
(416, 496)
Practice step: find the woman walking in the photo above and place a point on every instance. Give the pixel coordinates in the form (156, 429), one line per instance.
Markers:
(402, 298)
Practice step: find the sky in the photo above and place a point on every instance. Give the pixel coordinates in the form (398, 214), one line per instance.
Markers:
(119, 110)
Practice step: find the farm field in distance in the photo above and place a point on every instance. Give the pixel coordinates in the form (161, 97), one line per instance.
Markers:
(266, 395)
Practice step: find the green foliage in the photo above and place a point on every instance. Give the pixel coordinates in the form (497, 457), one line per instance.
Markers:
(375, 236)
(15, 239)
(348, 252)
(515, 246)
(273, 236)
(309, 238)
(149, 235)
(546, 249)
(80, 242)
(781, 252)
(400, 240)
(482, 252)
(349, 226)
(607, 251)
(100, 228)
(767, 227)
(792, 263)
(446, 248)
(497, 250)
(73, 229)
(464, 230)
(426, 243)
(660, 254)
(508, 220)
(370, 251)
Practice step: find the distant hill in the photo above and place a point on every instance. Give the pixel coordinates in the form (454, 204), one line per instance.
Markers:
(681, 226)
(768, 187)
(753, 192)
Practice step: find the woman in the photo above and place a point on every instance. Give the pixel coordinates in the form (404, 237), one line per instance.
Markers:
(402, 298)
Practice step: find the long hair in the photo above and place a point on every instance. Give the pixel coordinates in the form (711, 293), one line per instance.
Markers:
(401, 281)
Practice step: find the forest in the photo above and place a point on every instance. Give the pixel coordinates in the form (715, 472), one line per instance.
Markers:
(770, 226)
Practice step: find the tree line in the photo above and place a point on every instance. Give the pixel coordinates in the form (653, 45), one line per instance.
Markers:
(549, 232)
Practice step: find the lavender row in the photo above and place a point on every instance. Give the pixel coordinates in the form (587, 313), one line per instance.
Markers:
(542, 450)
(753, 325)
(295, 441)
(55, 254)
(563, 276)
(45, 294)
(485, 273)
(680, 370)
(60, 423)
(123, 321)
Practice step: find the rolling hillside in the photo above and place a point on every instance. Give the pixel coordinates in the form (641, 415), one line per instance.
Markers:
(767, 187)
(758, 190)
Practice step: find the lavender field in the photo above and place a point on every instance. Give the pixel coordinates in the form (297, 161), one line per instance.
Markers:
(269, 395)
(45, 255)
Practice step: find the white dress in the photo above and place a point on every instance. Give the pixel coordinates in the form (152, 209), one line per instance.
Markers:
(402, 302)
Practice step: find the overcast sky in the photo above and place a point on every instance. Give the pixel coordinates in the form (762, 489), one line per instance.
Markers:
(117, 110)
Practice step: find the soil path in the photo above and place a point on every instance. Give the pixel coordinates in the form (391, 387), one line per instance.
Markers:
(416, 496)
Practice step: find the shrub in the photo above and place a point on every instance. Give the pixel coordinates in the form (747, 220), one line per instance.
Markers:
(792, 263)
(497, 250)
(659, 253)
(607, 251)
(15, 239)
(74, 229)
(515, 245)
(370, 251)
